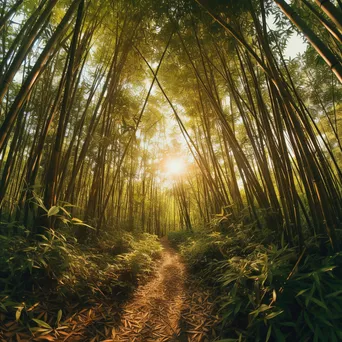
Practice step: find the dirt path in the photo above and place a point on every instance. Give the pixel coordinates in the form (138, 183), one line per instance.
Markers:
(166, 309)
(170, 307)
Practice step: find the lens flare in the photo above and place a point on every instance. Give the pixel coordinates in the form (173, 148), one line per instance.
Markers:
(175, 166)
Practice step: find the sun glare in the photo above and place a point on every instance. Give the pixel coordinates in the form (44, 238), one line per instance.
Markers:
(175, 166)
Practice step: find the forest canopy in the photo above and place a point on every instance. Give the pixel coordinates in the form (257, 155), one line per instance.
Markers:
(190, 117)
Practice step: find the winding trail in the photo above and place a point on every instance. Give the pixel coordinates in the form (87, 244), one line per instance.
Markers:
(167, 308)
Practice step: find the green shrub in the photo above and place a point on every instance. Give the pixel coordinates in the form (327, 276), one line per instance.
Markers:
(25, 262)
(200, 250)
(262, 294)
(56, 262)
(178, 237)
(113, 243)
(261, 299)
(143, 250)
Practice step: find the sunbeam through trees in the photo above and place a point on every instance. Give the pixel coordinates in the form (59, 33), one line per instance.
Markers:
(124, 124)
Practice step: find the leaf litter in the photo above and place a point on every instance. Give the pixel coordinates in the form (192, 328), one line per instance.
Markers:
(168, 308)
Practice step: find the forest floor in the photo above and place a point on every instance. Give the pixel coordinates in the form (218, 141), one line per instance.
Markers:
(170, 307)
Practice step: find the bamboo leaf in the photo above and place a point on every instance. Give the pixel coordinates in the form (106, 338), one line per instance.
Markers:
(41, 323)
(274, 314)
(301, 292)
(59, 316)
(18, 313)
(308, 322)
(54, 210)
(334, 294)
(65, 211)
(269, 331)
(319, 303)
(78, 222)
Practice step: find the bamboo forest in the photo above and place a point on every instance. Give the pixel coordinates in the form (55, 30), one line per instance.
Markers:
(170, 170)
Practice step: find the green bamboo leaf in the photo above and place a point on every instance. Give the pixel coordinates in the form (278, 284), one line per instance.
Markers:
(308, 298)
(59, 316)
(262, 308)
(301, 292)
(274, 314)
(326, 269)
(318, 336)
(319, 303)
(18, 312)
(43, 331)
(41, 323)
(269, 331)
(54, 210)
(65, 211)
(40, 203)
(334, 294)
(325, 321)
(308, 322)
(78, 222)
(316, 278)
(43, 262)
(43, 237)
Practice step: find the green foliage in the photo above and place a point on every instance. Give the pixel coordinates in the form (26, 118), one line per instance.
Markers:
(25, 262)
(56, 263)
(262, 293)
(202, 249)
(177, 238)
(139, 260)
(60, 213)
(53, 270)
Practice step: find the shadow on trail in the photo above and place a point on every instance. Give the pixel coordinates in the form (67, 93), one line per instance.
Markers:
(162, 310)
(154, 312)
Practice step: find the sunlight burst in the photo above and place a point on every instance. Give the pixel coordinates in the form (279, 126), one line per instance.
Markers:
(175, 166)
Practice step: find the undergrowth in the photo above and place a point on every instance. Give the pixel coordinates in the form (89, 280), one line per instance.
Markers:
(266, 292)
(54, 268)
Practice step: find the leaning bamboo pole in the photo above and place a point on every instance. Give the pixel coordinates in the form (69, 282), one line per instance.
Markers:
(333, 62)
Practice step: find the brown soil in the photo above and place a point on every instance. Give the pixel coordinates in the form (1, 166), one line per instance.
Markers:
(166, 308)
